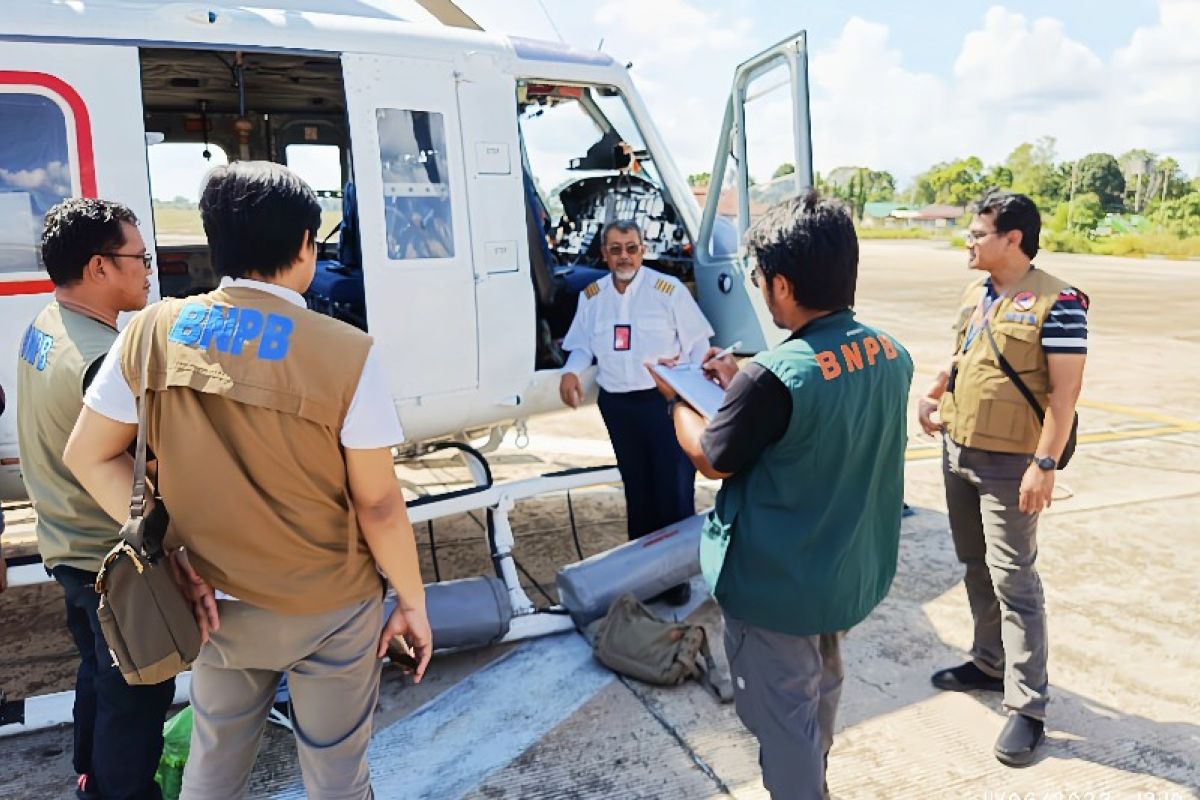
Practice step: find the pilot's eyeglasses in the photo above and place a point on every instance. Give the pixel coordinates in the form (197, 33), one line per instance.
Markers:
(971, 237)
(629, 249)
(147, 259)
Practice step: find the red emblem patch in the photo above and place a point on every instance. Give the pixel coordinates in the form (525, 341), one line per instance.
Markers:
(1024, 301)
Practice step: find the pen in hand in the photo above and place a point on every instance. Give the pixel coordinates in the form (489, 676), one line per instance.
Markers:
(728, 351)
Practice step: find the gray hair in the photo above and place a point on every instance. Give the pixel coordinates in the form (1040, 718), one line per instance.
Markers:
(624, 226)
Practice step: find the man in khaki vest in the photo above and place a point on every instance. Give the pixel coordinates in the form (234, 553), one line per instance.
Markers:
(99, 266)
(273, 427)
(999, 458)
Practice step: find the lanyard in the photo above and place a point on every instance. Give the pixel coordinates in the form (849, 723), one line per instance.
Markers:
(979, 318)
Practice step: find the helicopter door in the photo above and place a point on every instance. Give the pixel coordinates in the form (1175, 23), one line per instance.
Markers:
(412, 212)
(764, 156)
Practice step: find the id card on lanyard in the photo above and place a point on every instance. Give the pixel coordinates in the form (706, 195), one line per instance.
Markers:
(622, 338)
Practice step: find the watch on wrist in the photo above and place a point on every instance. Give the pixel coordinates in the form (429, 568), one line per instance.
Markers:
(1045, 463)
(674, 401)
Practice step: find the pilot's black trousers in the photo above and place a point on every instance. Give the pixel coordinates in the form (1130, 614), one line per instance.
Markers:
(659, 479)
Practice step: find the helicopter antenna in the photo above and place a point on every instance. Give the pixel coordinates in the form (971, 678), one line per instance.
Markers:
(550, 19)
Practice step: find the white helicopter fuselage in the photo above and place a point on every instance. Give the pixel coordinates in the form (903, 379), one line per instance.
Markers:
(427, 122)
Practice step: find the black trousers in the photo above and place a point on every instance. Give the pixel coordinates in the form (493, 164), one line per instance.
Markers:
(118, 727)
(660, 481)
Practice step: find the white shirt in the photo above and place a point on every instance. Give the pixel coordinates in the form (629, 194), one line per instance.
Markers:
(370, 423)
(656, 317)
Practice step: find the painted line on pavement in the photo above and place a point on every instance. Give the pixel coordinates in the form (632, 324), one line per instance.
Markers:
(450, 745)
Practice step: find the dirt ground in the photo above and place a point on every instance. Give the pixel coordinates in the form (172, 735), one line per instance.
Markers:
(1119, 555)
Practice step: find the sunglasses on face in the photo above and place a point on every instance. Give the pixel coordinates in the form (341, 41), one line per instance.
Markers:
(629, 249)
(972, 237)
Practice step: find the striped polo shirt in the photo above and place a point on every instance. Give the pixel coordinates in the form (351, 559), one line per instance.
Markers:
(1065, 330)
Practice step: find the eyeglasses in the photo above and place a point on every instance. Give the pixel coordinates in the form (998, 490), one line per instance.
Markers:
(630, 249)
(754, 276)
(147, 259)
(972, 237)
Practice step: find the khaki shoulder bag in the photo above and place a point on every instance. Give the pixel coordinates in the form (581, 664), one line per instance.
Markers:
(148, 624)
(631, 640)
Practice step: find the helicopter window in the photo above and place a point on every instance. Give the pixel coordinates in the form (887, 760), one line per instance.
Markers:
(35, 173)
(177, 171)
(320, 166)
(416, 187)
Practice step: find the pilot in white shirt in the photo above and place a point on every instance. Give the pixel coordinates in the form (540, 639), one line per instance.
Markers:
(631, 317)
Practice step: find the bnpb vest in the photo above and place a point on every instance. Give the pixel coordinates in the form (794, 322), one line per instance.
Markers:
(983, 408)
(246, 396)
(812, 527)
(55, 354)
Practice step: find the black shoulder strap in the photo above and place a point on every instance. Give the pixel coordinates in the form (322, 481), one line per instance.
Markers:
(1014, 377)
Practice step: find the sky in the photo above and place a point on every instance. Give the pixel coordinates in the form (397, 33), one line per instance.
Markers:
(898, 86)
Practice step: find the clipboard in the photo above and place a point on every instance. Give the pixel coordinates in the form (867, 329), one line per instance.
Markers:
(689, 382)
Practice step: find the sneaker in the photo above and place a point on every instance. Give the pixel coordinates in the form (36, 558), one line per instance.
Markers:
(675, 596)
(1018, 742)
(966, 678)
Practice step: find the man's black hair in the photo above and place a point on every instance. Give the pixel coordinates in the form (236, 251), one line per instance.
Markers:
(77, 229)
(810, 241)
(622, 225)
(255, 216)
(1012, 212)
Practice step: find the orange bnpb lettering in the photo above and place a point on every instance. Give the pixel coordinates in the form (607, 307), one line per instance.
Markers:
(828, 362)
(871, 346)
(852, 356)
(889, 349)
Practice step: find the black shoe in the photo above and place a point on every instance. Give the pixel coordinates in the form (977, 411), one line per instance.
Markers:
(675, 596)
(1018, 742)
(966, 678)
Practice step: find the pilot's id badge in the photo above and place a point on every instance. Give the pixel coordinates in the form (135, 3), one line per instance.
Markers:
(622, 337)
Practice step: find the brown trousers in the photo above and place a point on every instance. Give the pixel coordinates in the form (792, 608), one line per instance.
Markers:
(333, 679)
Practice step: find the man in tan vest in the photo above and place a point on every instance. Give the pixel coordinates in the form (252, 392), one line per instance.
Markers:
(99, 266)
(273, 427)
(1000, 458)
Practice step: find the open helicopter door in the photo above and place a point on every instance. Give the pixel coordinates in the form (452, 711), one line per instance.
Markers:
(412, 212)
(764, 156)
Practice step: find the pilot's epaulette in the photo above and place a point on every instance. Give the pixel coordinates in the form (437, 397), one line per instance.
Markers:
(664, 286)
(592, 290)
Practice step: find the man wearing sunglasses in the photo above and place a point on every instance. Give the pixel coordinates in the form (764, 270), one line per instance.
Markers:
(632, 317)
(98, 263)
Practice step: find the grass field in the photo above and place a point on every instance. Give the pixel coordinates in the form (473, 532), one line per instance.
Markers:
(183, 224)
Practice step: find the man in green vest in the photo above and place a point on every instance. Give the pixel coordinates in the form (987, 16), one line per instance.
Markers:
(810, 443)
(98, 263)
(1000, 457)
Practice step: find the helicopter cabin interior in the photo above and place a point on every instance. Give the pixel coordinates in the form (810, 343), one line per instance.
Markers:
(583, 164)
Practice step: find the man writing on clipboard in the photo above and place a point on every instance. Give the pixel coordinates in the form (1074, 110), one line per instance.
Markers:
(810, 441)
(633, 316)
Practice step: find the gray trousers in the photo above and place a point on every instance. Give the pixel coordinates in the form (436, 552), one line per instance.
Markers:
(786, 691)
(333, 678)
(998, 545)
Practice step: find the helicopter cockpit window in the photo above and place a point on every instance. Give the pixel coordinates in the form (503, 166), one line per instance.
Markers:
(416, 187)
(35, 173)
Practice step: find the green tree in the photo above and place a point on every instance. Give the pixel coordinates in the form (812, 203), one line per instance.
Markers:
(999, 177)
(881, 187)
(1031, 166)
(955, 183)
(1138, 167)
(1100, 174)
(699, 178)
(787, 168)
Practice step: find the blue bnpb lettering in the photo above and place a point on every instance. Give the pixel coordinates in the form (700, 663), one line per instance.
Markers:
(274, 344)
(35, 347)
(231, 328)
(189, 324)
